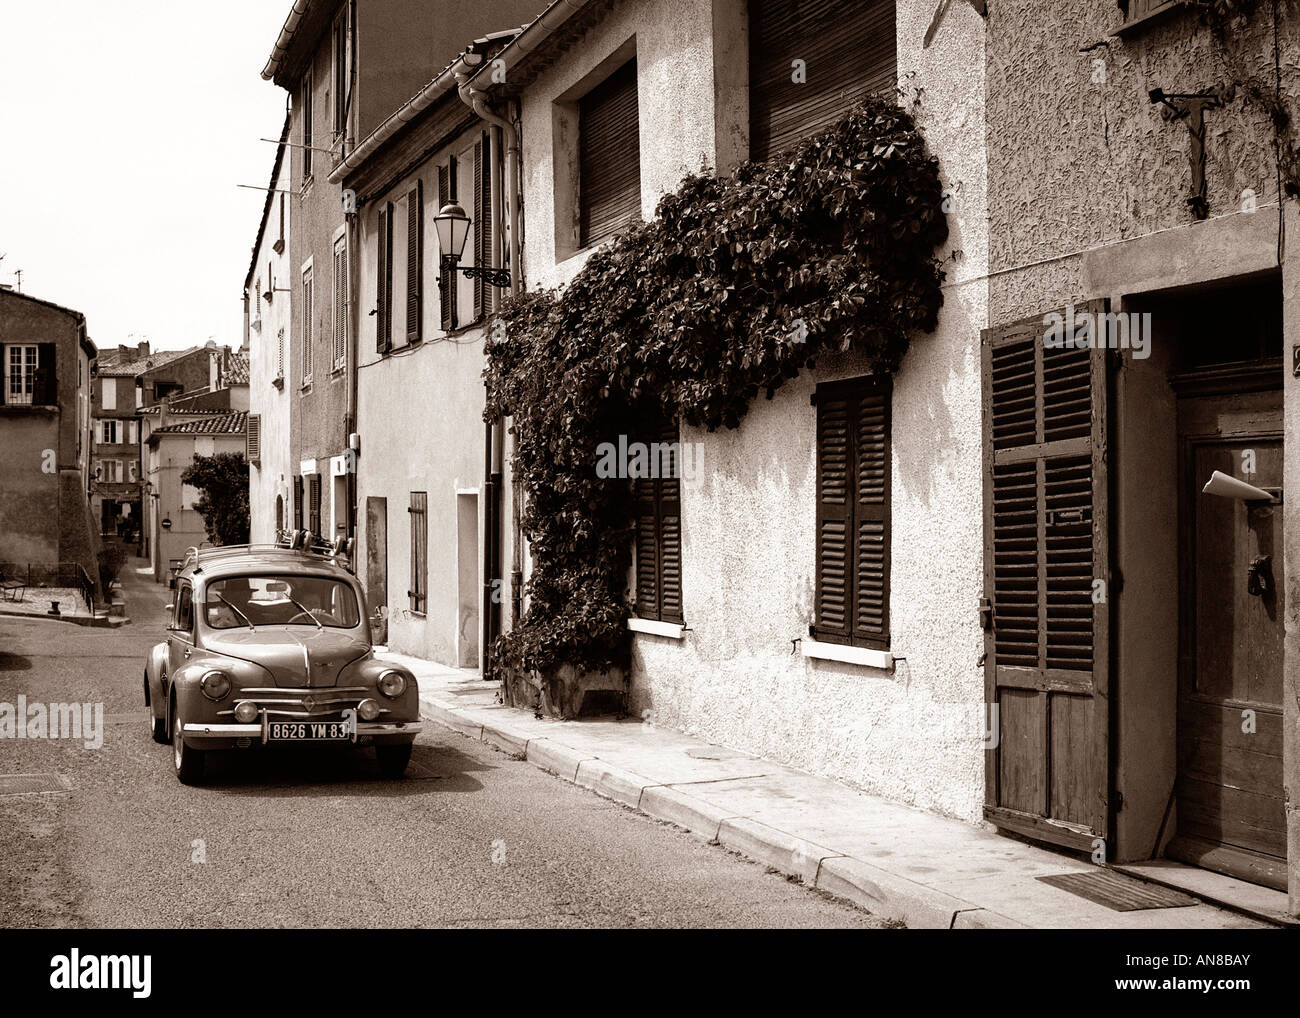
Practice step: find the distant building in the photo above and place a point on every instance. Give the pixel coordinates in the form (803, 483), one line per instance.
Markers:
(46, 358)
(171, 441)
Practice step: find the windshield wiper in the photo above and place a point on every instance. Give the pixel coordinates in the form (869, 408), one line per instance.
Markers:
(237, 612)
(305, 610)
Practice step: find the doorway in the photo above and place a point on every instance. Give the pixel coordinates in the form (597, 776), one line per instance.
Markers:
(1229, 793)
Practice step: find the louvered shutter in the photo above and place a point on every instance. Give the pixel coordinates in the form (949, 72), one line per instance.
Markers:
(340, 303)
(609, 156)
(1046, 540)
(658, 510)
(254, 437)
(414, 260)
(384, 281)
(313, 489)
(848, 48)
(446, 289)
(852, 556)
(482, 220)
(647, 547)
(297, 502)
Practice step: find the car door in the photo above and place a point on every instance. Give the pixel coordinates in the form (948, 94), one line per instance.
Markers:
(180, 635)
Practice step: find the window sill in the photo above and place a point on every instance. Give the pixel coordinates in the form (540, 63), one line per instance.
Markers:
(845, 654)
(653, 627)
(1139, 24)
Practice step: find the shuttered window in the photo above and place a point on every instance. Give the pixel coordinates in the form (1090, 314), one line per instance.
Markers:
(313, 504)
(308, 135)
(20, 363)
(810, 61)
(853, 533)
(384, 281)
(308, 323)
(658, 507)
(1045, 534)
(609, 156)
(414, 261)
(279, 356)
(254, 438)
(419, 510)
(297, 502)
(340, 303)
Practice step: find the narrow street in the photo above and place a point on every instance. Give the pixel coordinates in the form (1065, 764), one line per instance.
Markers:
(471, 837)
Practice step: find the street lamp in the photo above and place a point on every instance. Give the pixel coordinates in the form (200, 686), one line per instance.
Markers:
(452, 226)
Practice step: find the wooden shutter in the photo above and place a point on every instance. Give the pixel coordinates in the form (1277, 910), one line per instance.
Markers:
(340, 351)
(658, 509)
(419, 510)
(297, 502)
(1045, 541)
(254, 437)
(848, 48)
(414, 260)
(482, 221)
(609, 156)
(384, 281)
(313, 489)
(45, 384)
(446, 279)
(853, 526)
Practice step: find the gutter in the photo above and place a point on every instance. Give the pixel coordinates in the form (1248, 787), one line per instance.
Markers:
(291, 24)
(538, 31)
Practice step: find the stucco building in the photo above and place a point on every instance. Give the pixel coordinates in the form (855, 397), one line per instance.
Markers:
(268, 324)
(45, 450)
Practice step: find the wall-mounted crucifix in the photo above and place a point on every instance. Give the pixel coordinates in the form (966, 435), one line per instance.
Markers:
(1191, 106)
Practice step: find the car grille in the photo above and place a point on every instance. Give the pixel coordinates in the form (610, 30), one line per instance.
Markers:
(325, 703)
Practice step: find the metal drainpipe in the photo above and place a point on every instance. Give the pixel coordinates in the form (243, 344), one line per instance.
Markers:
(493, 438)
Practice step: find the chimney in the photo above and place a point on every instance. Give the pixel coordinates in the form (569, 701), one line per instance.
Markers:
(121, 350)
(144, 348)
(164, 412)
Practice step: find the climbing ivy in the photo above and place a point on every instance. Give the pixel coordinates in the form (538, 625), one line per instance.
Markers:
(737, 284)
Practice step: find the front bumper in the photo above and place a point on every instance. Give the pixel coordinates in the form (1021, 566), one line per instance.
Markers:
(261, 731)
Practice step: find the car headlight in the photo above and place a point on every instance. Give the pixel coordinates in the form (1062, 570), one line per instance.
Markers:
(215, 685)
(392, 684)
(246, 713)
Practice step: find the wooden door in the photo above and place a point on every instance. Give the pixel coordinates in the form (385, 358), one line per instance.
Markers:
(1046, 546)
(1231, 810)
(377, 564)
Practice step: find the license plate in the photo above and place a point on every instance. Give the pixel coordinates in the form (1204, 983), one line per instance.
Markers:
(308, 731)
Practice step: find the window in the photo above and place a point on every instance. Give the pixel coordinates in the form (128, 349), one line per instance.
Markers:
(384, 280)
(110, 471)
(339, 78)
(1136, 10)
(809, 63)
(448, 284)
(254, 438)
(133, 432)
(108, 393)
(257, 291)
(414, 261)
(308, 324)
(340, 303)
(658, 507)
(297, 502)
(853, 467)
(279, 244)
(132, 473)
(419, 511)
(280, 600)
(20, 374)
(313, 504)
(609, 157)
(307, 135)
(110, 432)
(185, 609)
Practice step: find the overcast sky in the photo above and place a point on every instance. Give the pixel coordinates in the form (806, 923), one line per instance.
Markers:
(125, 127)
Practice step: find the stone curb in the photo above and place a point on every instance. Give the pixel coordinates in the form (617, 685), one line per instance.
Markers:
(878, 891)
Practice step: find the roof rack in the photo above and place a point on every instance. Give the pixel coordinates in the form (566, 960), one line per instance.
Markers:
(339, 552)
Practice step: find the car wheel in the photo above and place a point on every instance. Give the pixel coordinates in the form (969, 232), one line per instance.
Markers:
(393, 759)
(157, 726)
(188, 762)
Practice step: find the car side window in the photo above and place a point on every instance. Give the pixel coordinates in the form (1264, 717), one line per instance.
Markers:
(185, 610)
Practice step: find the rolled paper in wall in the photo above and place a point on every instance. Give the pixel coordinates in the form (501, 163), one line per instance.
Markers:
(1229, 487)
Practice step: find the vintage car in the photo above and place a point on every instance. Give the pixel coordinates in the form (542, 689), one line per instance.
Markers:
(270, 645)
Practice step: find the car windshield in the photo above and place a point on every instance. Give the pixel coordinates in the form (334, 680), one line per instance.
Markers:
(241, 601)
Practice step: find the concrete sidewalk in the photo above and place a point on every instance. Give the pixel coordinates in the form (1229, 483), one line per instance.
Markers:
(895, 861)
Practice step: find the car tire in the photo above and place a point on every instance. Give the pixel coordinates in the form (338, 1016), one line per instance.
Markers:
(157, 726)
(393, 759)
(187, 762)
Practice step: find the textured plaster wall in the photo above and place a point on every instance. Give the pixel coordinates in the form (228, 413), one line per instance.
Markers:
(1291, 557)
(748, 521)
(275, 475)
(421, 416)
(29, 497)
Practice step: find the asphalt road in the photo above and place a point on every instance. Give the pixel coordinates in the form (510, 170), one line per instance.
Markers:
(470, 838)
